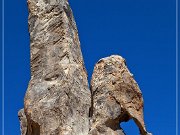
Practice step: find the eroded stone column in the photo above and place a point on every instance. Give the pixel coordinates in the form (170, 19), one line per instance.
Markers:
(116, 97)
(57, 100)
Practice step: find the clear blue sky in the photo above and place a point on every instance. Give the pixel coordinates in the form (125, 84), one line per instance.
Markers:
(142, 31)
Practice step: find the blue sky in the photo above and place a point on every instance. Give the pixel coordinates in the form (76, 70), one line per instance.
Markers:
(142, 31)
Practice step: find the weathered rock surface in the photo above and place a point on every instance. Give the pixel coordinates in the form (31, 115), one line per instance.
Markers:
(116, 97)
(23, 121)
(57, 100)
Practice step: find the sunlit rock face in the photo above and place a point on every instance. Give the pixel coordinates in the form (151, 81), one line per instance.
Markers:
(116, 97)
(58, 100)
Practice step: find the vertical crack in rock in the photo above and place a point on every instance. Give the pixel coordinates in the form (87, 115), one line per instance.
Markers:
(116, 97)
(57, 100)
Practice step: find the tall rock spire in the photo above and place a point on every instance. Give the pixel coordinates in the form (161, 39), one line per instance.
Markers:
(57, 100)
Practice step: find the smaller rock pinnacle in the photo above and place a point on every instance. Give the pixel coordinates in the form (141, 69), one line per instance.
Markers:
(116, 95)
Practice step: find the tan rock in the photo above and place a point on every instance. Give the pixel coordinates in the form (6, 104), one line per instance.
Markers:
(116, 95)
(57, 100)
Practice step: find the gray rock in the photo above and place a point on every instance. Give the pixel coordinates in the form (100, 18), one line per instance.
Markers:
(57, 100)
(116, 97)
(23, 121)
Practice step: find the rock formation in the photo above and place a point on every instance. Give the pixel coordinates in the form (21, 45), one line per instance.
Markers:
(116, 97)
(58, 100)
(23, 121)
